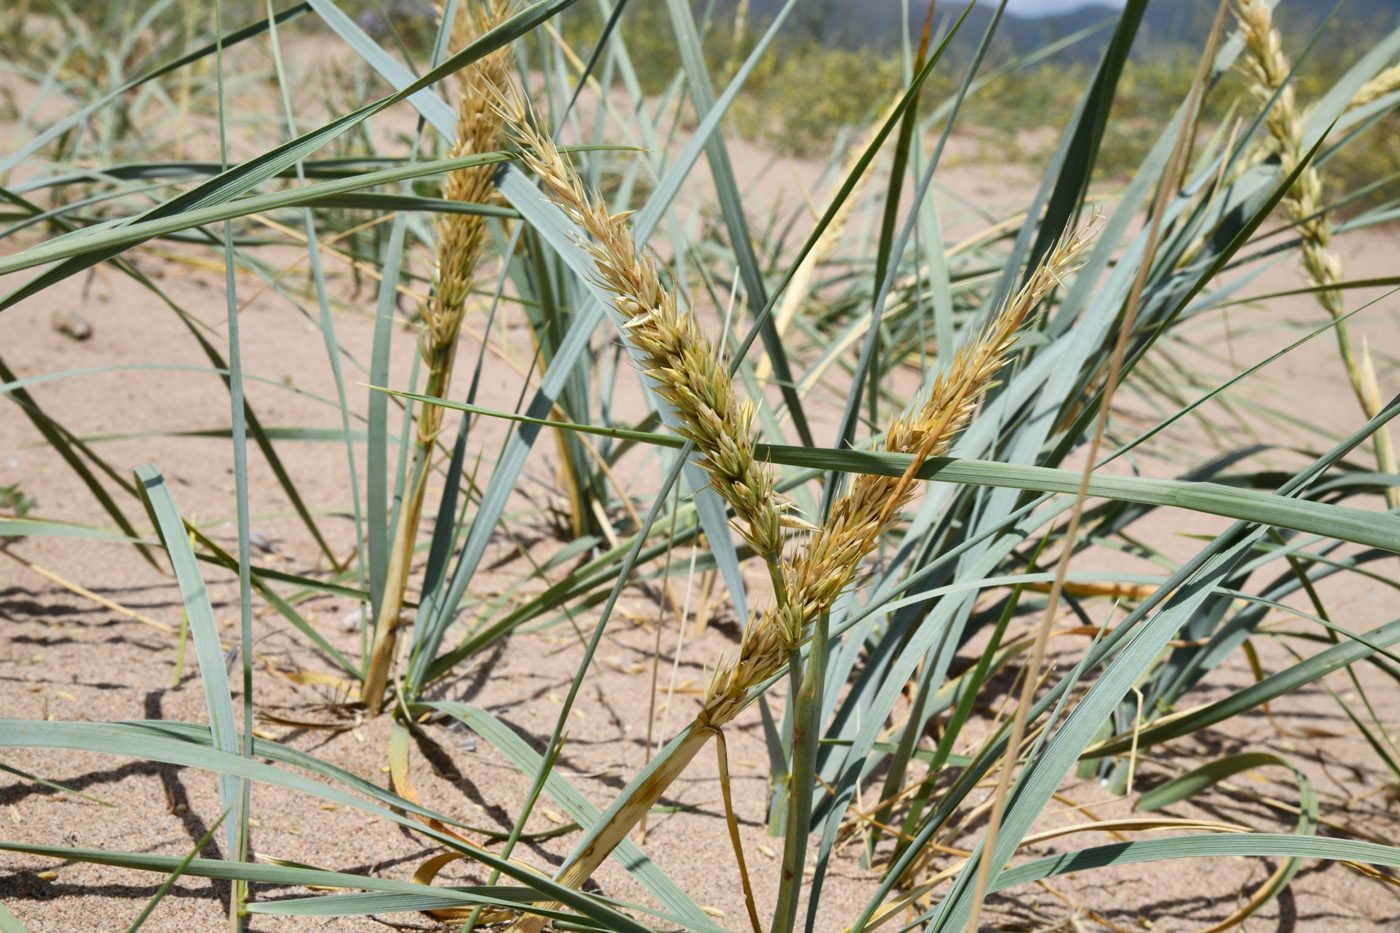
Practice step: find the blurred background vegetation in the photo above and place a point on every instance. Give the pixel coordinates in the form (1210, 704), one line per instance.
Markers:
(837, 59)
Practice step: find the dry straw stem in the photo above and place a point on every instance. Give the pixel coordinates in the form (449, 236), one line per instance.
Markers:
(1286, 125)
(461, 239)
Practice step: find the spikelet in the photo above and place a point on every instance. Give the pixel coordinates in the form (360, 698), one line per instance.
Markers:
(670, 345)
(822, 569)
(1286, 125)
(857, 521)
(1303, 202)
(461, 238)
(1379, 86)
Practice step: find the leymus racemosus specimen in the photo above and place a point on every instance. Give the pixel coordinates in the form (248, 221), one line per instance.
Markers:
(671, 349)
(461, 239)
(1286, 125)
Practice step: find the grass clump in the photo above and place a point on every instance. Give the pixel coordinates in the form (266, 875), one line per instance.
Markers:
(888, 665)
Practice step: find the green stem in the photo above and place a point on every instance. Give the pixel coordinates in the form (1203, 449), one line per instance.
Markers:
(551, 755)
(1385, 450)
(807, 688)
(386, 627)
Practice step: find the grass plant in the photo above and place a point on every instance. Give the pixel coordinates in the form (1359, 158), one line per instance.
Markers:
(977, 450)
(461, 240)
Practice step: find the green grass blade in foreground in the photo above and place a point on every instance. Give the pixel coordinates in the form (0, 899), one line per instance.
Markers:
(1289, 679)
(431, 106)
(1216, 771)
(374, 903)
(293, 875)
(20, 527)
(1211, 773)
(203, 628)
(179, 870)
(377, 456)
(150, 744)
(275, 751)
(238, 837)
(446, 526)
(577, 806)
(1257, 845)
(9, 923)
(1361, 526)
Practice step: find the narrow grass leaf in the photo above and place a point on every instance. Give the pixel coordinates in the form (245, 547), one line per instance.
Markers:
(204, 629)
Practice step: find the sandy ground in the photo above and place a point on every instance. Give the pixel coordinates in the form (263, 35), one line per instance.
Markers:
(66, 657)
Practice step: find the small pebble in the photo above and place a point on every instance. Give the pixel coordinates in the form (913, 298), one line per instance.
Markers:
(71, 324)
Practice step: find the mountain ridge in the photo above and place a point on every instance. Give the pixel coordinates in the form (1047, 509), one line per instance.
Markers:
(875, 24)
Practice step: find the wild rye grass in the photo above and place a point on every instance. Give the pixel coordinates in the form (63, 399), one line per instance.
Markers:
(999, 510)
(461, 241)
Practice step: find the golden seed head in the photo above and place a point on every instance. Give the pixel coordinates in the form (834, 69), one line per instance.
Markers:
(1286, 127)
(822, 569)
(1382, 84)
(461, 238)
(671, 348)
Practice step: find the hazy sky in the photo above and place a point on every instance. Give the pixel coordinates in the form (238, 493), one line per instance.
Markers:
(1048, 7)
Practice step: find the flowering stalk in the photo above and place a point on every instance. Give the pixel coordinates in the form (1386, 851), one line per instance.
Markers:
(460, 244)
(828, 564)
(671, 349)
(1286, 125)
